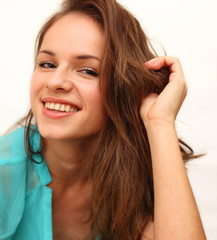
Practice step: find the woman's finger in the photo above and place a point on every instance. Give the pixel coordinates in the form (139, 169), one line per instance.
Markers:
(170, 62)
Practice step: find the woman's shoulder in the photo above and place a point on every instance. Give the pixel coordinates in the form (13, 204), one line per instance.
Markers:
(12, 148)
(13, 167)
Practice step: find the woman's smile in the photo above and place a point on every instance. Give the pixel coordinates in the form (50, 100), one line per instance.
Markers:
(58, 108)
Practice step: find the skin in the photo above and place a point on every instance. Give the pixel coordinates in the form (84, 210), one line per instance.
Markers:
(67, 139)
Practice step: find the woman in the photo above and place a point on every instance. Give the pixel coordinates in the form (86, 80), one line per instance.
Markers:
(105, 158)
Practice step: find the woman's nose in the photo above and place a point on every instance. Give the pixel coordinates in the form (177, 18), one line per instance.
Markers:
(60, 81)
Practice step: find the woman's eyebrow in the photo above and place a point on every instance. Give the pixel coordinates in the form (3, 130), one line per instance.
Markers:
(47, 52)
(87, 57)
(77, 57)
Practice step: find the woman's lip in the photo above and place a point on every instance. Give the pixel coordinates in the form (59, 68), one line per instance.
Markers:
(62, 101)
(55, 114)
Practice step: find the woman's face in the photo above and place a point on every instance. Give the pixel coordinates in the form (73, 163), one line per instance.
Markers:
(65, 95)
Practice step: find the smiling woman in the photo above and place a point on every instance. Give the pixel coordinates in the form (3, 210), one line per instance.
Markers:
(66, 72)
(102, 160)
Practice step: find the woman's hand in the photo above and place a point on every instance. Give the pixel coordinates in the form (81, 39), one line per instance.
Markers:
(163, 108)
(175, 211)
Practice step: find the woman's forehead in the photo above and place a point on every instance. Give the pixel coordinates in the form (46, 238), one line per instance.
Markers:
(76, 32)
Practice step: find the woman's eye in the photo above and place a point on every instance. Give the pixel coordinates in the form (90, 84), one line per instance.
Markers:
(89, 71)
(47, 65)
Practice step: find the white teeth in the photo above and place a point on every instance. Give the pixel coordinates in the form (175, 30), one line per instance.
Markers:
(57, 107)
(52, 105)
(67, 108)
(60, 107)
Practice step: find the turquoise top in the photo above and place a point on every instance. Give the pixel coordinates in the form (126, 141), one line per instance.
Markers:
(25, 201)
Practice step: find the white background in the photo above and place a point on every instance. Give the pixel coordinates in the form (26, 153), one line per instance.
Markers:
(185, 28)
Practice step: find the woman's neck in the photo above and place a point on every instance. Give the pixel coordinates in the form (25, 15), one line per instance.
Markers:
(66, 162)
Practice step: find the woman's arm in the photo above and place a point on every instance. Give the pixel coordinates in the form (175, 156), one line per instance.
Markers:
(176, 216)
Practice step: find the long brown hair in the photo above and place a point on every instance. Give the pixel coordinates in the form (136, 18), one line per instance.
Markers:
(120, 161)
